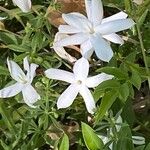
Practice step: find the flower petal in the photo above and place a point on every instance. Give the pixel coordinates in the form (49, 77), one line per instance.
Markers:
(113, 37)
(97, 12)
(81, 69)
(15, 71)
(120, 15)
(86, 49)
(58, 74)
(30, 95)
(96, 80)
(32, 71)
(75, 39)
(11, 90)
(88, 4)
(77, 21)
(24, 5)
(102, 47)
(68, 96)
(26, 64)
(88, 99)
(138, 140)
(114, 26)
(68, 29)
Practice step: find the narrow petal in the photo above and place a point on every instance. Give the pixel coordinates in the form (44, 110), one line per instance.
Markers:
(113, 37)
(88, 4)
(120, 15)
(114, 26)
(32, 72)
(30, 95)
(11, 90)
(58, 74)
(77, 21)
(86, 49)
(26, 64)
(68, 29)
(96, 80)
(24, 5)
(81, 69)
(97, 12)
(68, 96)
(75, 39)
(138, 140)
(15, 71)
(102, 48)
(88, 99)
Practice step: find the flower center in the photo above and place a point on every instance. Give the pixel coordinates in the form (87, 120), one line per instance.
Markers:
(79, 82)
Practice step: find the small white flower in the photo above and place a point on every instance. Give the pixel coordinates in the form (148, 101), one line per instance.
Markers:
(80, 82)
(23, 83)
(24, 5)
(90, 32)
(60, 50)
(2, 18)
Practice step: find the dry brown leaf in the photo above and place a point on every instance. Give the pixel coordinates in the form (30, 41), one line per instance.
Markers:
(67, 6)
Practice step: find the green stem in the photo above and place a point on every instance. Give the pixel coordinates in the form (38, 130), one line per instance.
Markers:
(143, 53)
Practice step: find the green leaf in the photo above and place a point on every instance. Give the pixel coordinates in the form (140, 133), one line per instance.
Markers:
(92, 141)
(109, 84)
(125, 139)
(147, 147)
(64, 145)
(18, 48)
(136, 79)
(117, 72)
(142, 18)
(127, 5)
(3, 71)
(106, 103)
(124, 92)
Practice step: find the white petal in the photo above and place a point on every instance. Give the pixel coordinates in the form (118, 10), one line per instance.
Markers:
(86, 49)
(78, 22)
(75, 39)
(114, 26)
(120, 15)
(60, 50)
(96, 80)
(88, 4)
(88, 99)
(11, 90)
(104, 138)
(97, 12)
(102, 47)
(68, 29)
(2, 18)
(63, 54)
(138, 140)
(113, 37)
(68, 96)
(81, 69)
(32, 72)
(15, 71)
(24, 5)
(58, 74)
(30, 95)
(26, 64)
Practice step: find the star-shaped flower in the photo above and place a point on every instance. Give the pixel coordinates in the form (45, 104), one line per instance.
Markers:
(24, 5)
(23, 83)
(93, 32)
(80, 82)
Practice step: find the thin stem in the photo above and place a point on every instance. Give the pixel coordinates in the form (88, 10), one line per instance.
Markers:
(143, 53)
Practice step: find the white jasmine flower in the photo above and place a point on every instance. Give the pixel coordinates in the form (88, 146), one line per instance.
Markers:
(23, 83)
(24, 5)
(60, 50)
(93, 32)
(80, 82)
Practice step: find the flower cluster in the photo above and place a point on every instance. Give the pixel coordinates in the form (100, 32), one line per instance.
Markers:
(92, 33)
